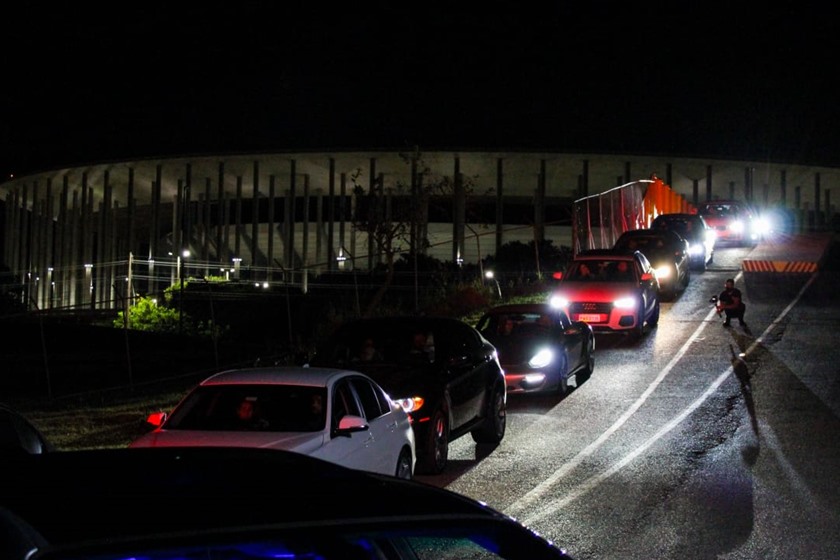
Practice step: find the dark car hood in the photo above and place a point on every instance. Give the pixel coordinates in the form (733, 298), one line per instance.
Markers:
(660, 255)
(519, 349)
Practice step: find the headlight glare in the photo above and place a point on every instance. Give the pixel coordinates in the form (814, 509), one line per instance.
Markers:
(542, 358)
(663, 272)
(410, 404)
(558, 302)
(625, 303)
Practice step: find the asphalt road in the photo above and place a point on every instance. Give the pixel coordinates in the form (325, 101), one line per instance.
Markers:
(667, 451)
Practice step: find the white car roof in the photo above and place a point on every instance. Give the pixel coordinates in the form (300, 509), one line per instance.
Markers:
(279, 375)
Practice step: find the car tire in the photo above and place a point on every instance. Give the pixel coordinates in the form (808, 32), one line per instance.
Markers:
(403, 469)
(492, 429)
(639, 330)
(436, 446)
(562, 380)
(589, 358)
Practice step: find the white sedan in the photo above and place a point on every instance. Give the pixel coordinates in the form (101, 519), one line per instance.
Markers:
(337, 415)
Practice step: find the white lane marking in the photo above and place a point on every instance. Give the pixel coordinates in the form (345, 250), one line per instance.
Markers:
(544, 487)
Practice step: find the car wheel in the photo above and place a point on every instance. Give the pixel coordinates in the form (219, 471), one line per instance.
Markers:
(589, 358)
(436, 447)
(639, 330)
(687, 277)
(404, 465)
(492, 430)
(562, 379)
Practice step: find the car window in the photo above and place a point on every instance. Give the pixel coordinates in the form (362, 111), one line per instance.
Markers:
(275, 408)
(344, 402)
(373, 405)
(460, 339)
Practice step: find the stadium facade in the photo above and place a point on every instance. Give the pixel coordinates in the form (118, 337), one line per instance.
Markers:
(94, 236)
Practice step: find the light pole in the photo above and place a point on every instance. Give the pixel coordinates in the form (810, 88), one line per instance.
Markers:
(342, 259)
(181, 258)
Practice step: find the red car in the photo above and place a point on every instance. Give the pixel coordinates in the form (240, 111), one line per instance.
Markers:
(733, 222)
(612, 290)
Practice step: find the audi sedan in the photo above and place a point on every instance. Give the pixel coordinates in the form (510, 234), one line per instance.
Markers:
(337, 415)
(441, 370)
(614, 291)
(540, 347)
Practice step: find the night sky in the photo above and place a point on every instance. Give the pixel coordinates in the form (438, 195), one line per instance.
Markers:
(83, 86)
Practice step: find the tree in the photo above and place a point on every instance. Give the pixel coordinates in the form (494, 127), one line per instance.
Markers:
(395, 219)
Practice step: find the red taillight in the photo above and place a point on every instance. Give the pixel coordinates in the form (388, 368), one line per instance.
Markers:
(557, 275)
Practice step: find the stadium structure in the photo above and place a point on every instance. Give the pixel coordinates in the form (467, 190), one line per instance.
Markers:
(97, 235)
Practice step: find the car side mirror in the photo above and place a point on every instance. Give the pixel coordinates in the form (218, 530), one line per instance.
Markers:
(156, 419)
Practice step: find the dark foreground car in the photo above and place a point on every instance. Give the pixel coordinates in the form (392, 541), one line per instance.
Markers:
(198, 503)
(540, 347)
(441, 370)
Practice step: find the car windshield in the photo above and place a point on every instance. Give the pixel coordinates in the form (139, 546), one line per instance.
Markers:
(640, 242)
(720, 210)
(274, 408)
(602, 270)
(386, 342)
(496, 326)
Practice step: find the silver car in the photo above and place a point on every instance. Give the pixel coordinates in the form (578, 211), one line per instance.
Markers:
(337, 415)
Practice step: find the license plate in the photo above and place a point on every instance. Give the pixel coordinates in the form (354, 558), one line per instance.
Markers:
(589, 317)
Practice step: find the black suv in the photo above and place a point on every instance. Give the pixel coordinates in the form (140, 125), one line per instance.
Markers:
(694, 229)
(441, 370)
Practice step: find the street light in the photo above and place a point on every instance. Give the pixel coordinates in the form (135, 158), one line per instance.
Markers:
(491, 276)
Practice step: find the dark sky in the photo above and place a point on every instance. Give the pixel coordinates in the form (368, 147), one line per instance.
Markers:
(84, 86)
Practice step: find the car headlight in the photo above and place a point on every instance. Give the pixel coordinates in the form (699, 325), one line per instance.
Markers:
(737, 226)
(762, 226)
(625, 303)
(663, 272)
(542, 358)
(711, 236)
(410, 404)
(558, 302)
(695, 249)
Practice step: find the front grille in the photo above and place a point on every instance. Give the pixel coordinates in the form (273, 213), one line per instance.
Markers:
(590, 307)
